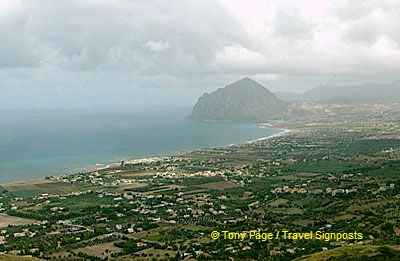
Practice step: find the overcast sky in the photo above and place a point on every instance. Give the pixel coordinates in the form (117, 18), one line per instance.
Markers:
(102, 53)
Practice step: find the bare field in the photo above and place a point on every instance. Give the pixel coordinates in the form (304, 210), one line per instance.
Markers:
(137, 174)
(342, 217)
(277, 202)
(288, 211)
(122, 187)
(164, 188)
(150, 253)
(99, 250)
(219, 185)
(6, 221)
(40, 187)
(363, 205)
(7, 257)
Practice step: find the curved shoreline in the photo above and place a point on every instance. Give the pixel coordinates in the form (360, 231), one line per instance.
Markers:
(111, 164)
(279, 134)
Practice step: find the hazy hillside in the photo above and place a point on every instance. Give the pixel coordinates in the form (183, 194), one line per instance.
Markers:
(368, 91)
(288, 96)
(363, 92)
(244, 99)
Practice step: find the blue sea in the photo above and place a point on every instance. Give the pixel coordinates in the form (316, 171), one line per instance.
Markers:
(41, 143)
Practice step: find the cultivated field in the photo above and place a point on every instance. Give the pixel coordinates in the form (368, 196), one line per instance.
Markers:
(6, 221)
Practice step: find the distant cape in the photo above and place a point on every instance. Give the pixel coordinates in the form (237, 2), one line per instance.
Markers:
(242, 100)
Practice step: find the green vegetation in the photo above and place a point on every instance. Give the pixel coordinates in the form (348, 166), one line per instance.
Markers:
(335, 175)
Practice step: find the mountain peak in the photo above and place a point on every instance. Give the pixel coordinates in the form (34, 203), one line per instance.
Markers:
(246, 81)
(247, 85)
(242, 100)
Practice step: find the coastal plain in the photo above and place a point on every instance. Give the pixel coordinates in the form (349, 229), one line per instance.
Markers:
(336, 171)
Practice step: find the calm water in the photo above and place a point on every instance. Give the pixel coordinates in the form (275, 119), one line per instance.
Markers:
(36, 144)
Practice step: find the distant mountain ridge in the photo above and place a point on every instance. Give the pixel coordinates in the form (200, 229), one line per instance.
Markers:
(367, 91)
(363, 92)
(242, 100)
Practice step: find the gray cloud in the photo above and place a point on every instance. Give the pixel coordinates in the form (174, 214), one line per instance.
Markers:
(15, 49)
(364, 31)
(290, 23)
(54, 51)
(103, 34)
(355, 9)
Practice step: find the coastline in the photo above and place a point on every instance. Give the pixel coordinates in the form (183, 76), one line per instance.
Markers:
(108, 165)
(279, 134)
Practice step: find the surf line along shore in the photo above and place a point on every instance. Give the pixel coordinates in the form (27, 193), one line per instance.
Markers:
(116, 164)
(283, 132)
